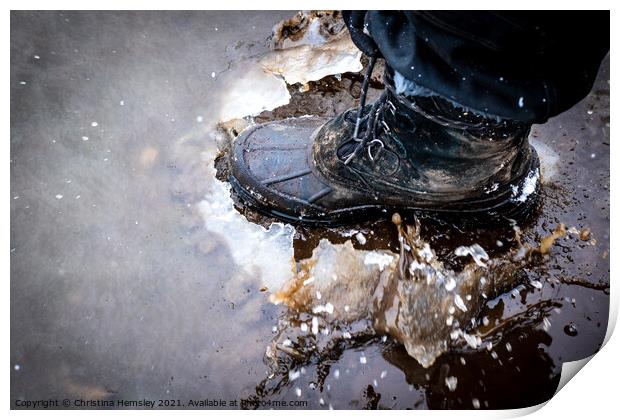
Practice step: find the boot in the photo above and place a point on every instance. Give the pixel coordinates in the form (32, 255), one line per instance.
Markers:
(421, 154)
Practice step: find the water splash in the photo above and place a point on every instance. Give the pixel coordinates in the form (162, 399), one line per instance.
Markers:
(412, 295)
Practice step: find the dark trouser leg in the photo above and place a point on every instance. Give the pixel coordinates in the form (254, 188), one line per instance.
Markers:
(521, 65)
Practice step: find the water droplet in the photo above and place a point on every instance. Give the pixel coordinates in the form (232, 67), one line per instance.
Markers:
(570, 329)
(451, 382)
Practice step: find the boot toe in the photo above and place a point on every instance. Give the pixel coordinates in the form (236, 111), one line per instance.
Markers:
(271, 169)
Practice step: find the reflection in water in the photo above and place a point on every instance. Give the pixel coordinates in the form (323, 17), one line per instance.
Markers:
(488, 379)
(511, 368)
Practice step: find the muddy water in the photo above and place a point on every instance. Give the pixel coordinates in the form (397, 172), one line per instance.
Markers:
(132, 275)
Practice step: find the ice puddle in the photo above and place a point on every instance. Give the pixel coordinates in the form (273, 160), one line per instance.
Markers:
(411, 296)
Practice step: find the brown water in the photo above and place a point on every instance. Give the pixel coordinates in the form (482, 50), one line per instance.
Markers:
(133, 277)
(410, 295)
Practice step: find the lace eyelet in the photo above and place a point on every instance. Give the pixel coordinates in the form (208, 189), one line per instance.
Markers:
(376, 155)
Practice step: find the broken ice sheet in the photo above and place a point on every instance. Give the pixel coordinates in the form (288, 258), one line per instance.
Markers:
(305, 63)
(251, 90)
(310, 46)
(427, 309)
(254, 248)
(259, 84)
(549, 159)
(307, 27)
(343, 279)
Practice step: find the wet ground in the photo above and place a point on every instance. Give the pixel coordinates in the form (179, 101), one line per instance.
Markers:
(133, 277)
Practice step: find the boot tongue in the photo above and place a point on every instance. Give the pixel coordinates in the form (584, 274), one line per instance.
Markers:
(346, 149)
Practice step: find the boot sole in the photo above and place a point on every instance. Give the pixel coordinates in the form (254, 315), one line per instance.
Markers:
(508, 210)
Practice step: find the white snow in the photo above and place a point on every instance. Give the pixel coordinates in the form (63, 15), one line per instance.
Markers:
(379, 258)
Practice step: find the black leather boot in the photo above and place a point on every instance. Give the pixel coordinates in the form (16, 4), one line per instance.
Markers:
(399, 154)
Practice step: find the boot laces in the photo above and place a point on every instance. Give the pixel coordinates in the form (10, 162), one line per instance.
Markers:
(374, 122)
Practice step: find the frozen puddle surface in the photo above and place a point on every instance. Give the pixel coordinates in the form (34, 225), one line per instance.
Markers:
(266, 253)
